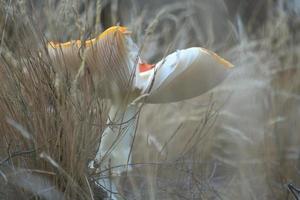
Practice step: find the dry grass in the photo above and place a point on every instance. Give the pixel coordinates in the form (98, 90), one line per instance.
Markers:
(57, 122)
(240, 141)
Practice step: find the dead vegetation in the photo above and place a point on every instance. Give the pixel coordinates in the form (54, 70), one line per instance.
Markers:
(240, 141)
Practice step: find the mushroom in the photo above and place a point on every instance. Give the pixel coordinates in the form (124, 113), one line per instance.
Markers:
(182, 75)
(113, 57)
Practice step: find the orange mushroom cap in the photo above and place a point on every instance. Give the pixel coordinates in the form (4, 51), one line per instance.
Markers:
(89, 43)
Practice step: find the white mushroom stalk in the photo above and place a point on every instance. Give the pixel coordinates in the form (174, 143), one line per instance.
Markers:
(113, 58)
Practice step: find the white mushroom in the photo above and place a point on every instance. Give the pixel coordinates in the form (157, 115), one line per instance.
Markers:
(181, 75)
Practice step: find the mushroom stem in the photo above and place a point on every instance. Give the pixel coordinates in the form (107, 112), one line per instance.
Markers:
(114, 153)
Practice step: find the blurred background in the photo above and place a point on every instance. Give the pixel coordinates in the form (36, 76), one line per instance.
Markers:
(239, 141)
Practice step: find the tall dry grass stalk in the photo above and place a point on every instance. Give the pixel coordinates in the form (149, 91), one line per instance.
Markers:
(50, 127)
(239, 141)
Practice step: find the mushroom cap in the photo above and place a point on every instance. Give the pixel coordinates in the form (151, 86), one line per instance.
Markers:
(112, 58)
(184, 74)
(109, 57)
